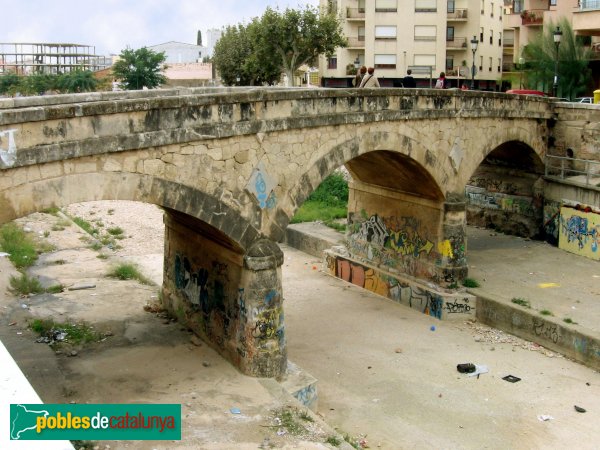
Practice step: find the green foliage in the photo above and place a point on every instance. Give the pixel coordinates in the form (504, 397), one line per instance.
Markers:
(25, 285)
(333, 191)
(138, 68)
(540, 56)
(20, 247)
(277, 42)
(53, 210)
(77, 81)
(77, 333)
(332, 440)
(9, 83)
(569, 320)
(85, 225)
(115, 231)
(546, 312)
(127, 271)
(521, 302)
(470, 283)
(327, 203)
(312, 211)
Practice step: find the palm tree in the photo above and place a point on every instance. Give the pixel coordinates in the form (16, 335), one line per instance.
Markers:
(540, 57)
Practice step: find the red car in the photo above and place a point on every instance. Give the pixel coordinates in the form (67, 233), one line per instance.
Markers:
(526, 92)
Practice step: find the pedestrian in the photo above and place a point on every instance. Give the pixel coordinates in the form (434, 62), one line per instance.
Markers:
(409, 81)
(370, 80)
(441, 81)
(464, 87)
(360, 74)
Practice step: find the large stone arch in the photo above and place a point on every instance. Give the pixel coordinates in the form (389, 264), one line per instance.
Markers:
(38, 195)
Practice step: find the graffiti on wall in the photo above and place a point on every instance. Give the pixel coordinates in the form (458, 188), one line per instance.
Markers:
(262, 186)
(8, 152)
(517, 204)
(551, 221)
(401, 243)
(428, 302)
(579, 231)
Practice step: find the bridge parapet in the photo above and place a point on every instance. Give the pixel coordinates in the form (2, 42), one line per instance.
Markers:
(87, 124)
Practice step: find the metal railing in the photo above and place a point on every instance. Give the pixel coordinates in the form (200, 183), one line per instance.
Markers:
(580, 171)
(589, 4)
(458, 14)
(355, 13)
(356, 42)
(457, 42)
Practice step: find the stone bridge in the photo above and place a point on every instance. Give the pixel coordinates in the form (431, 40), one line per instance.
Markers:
(230, 167)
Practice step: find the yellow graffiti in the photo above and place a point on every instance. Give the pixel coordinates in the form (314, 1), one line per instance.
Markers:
(405, 245)
(374, 283)
(445, 249)
(548, 285)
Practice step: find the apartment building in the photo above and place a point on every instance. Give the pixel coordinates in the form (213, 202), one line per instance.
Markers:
(426, 36)
(524, 19)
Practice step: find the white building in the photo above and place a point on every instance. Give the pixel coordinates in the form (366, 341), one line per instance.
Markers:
(212, 36)
(180, 52)
(395, 35)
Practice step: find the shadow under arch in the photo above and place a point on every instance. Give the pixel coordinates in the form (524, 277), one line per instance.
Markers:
(213, 216)
(389, 160)
(505, 191)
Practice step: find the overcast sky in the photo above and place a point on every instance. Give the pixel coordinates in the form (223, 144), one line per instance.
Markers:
(112, 25)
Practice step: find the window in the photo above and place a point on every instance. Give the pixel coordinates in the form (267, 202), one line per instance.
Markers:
(482, 7)
(491, 37)
(386, 5)
(361, 6)
(425, 6)
(385, 32)
(361, 34)
(552, 2)
(385, 61)
(451, 6)
(480, 63)
(450, 34)
(425, 32)
(332, 62)
(449, 63)
(518, 6)
(333, 7)
(501, 12)
(499, 64)
(492, 11)
(490, 66)
(481, 34)
(425, 60)
(499, 39)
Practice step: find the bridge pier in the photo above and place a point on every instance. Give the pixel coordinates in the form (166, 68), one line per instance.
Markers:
(230, 298)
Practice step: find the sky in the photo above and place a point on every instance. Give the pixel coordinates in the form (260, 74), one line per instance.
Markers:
(113, 25)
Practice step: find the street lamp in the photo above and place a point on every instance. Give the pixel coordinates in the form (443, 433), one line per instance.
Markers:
(474, 44)
(557, 37)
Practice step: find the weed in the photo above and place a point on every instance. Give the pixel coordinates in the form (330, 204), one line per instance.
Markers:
(341, 227)
(45, 247)
(53, 210)
(521, 301)
(57, 228)
(111, 212)
(60, 262)
(288, 421)
(20, 247)
(546, 312)
(305, 416)
(115, 231)
(102, 256)
(85, 225)
(25, 284)
(95, 245)
(77, 333)
(569, 320)
(55, 289)
(311, 211)
(470, 283)
(99, 224)
(453, 285)
(127, 271)
(46, 233)
(333, 440)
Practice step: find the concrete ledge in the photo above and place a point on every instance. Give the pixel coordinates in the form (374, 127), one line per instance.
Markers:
(301, 385)
(312, 238)
(582, 346)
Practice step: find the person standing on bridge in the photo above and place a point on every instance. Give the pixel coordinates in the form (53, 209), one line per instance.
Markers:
(441, 82)
(359, 76)
(408, 81)
(370, 80)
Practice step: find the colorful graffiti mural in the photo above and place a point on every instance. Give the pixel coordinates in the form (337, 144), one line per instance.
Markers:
(579, 231)
(426, 301)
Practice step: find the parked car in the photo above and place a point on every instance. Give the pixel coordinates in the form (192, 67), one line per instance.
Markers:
(526, 92)
(588, 100)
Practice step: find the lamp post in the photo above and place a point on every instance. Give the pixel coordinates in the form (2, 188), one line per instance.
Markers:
(474, 44)
(557, 37)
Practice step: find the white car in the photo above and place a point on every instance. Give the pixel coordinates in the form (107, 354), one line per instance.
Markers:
(588, 100)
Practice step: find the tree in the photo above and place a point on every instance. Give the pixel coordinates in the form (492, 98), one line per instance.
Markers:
(540, 57)
(295, 37)
(9, 82)
(139, 68)
(77, 81)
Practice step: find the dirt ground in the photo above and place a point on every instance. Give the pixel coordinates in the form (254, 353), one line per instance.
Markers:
(384, 373)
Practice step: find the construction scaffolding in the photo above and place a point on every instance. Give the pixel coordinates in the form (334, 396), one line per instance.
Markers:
(26, 58)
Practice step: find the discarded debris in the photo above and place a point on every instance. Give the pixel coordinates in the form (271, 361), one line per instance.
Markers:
(544, 418)
(398, 350)
(12, 323)
(81, 286)
(235, 411)
(196, 340)
(466, 368)
(52, 336)
(511, 378)
(432, 328)
(205, 363)
(479, 370)
(4, 254)
(579, 409)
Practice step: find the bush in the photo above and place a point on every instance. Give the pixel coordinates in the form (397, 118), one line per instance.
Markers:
(20, 247)
(332, 191)
(25, 285)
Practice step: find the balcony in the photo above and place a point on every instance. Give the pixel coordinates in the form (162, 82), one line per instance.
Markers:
(457, 44)
(532, 17)
(355, 14)
(356, 42)
(458, 15)
(508, 42)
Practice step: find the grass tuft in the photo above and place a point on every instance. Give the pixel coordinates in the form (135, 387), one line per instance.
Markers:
(25, 285)
(569, 320)
(332, 440)
(77, 333)
(115, 231)
(19, 245)
(546, 312)
(470, 283)
(521, 302)
(128, 271)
